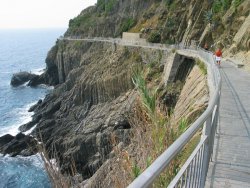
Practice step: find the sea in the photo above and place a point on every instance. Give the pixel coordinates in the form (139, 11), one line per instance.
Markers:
(22, 50)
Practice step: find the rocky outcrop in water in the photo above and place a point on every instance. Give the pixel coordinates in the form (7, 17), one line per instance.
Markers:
(18, 145)
(21, 77)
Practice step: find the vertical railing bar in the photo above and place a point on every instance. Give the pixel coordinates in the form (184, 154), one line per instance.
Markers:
(182, 180)
(196, 168)
(190, 173)
(193, 171)
(179, 184)
(185, 178)
(176, 185)
(213, 132)
(214, 126)
(201, 161)
(198, 165)
(207, 148)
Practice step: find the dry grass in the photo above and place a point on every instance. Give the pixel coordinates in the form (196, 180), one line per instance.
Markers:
(57, 179)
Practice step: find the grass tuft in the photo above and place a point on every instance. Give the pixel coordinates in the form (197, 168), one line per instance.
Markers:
(202, 66)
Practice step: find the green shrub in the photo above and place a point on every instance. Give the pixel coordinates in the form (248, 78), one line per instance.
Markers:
(110, 5)
(154, 37)
(202, 66)
(148, 99)
(220, 6)
(236, 3)
(217, 6)
(79, 20)
(136, 170)
(208, 16)
(168, 2)
(183, 125)
(226, 4)
(127, 24)
(105, 5)
(101, 4)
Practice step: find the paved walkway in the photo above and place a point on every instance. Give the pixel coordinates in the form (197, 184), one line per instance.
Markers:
(231, 160)
(123, 42)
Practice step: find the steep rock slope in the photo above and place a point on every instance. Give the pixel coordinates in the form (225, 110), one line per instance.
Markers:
(192, 101)
(79, 118)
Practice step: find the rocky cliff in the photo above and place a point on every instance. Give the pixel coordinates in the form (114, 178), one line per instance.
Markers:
(90, 104)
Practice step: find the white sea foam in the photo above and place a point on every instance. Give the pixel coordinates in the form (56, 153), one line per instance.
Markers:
(35, 160)
(29, 131)
(38, 71)
(25, 117)
(46, 87)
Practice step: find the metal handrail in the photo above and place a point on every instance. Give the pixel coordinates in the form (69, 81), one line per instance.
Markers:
(208, 120)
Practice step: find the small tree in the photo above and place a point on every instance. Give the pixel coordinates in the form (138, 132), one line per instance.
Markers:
(154, 37)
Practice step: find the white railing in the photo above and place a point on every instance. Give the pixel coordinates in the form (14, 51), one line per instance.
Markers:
(193, 173)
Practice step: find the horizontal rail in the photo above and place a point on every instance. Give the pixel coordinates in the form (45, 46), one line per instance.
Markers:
(147, 178)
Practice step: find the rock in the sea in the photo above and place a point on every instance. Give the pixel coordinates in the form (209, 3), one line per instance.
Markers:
(27, 126)
(5, 139)
(36, 80)
(20, 78)
(33, 107)
(18, 145)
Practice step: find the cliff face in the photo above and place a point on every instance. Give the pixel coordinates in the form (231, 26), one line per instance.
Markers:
(93, 89)
(175, 21)
(90, 105)
(216, 22)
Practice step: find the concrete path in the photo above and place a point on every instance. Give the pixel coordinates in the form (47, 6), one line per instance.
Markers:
(230, 166)
(123, 42)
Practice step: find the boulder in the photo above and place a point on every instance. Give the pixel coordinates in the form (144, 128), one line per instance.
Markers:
(5, 139)
(18, 145)
(27, 126)
(35, 106)
(20, 78)
(36, 80)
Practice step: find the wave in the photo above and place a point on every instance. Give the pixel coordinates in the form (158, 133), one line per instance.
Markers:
(29, 131)
(35, 160)
(46, 87)
(38, 71)
(24, 117)
(23, 171)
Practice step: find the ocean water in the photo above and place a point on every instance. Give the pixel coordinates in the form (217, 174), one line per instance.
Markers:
(22, 50)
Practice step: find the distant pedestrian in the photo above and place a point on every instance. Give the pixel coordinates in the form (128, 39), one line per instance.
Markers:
(206, 46)
(218, 55)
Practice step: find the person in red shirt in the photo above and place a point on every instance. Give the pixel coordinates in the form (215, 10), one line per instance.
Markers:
(218, 55)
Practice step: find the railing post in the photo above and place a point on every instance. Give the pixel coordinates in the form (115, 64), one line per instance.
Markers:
(206, 153)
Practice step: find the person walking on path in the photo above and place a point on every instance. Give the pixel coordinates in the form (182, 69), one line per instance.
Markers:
(218, 55)
(206, 46)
